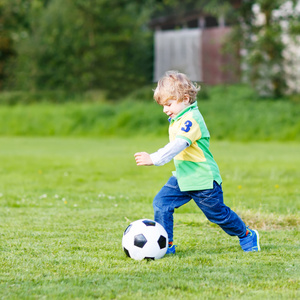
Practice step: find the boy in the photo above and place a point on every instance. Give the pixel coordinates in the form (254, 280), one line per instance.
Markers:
(197, 175)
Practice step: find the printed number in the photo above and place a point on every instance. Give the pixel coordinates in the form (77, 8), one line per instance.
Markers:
(188, 125)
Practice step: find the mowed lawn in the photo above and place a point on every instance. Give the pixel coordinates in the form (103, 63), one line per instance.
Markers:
(65, 202)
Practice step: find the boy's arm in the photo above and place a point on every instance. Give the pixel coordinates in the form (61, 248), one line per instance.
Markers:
(163, 155)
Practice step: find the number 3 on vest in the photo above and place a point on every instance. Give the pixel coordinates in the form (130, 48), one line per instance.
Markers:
(188, 125)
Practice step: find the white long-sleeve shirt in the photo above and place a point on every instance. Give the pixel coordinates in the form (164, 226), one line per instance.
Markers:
(168, 152)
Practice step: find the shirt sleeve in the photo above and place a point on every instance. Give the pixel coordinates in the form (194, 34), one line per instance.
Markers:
(189, 129)
(167, 153)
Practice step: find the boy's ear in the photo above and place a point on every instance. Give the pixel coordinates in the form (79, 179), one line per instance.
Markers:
(186, 99)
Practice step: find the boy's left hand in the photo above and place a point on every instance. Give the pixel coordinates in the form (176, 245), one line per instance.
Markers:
(143, 159)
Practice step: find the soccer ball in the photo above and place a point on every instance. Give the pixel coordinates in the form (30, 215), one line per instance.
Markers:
(145, 239)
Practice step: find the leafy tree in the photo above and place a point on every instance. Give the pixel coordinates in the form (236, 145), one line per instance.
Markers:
(259, 27)
(260, 36)
(263, 40)
(12, 21)
(16, 20)
(86, 44)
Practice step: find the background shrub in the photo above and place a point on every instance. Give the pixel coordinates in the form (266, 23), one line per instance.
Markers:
(231, 113)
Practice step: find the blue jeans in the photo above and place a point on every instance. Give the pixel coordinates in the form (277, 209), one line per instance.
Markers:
(209, 201)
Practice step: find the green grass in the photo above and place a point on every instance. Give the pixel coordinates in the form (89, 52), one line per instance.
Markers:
(65, 202)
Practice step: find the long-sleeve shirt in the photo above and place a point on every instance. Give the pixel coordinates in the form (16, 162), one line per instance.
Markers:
(168, 152)
(195, 166)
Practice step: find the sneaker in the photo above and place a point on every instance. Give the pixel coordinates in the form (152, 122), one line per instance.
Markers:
(250, 242)
(171, 250)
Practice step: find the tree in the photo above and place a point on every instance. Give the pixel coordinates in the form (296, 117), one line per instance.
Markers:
(262, 26)
(86, 44)
(12, 21)
(16, 21)
(258, 30)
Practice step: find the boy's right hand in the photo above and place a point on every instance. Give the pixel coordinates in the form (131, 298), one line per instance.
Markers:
(143, 159)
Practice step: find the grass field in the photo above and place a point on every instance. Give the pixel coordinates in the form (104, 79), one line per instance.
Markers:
(65, 202)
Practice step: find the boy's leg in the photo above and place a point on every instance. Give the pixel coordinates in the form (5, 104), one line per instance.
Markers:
(164, 203)
(212, 205)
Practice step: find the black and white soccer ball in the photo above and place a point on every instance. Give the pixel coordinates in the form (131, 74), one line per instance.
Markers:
(145, 239)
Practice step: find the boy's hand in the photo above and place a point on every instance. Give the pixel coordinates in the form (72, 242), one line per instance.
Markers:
(143, 159)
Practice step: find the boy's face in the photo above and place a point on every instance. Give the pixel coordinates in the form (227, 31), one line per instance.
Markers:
(172, 107)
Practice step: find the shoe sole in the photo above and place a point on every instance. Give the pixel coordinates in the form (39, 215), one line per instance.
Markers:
(258, 246)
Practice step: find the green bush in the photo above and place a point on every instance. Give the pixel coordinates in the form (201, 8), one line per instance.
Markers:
(231, 113)
(20, 97)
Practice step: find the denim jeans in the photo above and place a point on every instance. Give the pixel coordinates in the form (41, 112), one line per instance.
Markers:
(209, 201)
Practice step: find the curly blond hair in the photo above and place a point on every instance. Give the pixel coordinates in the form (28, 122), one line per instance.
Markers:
(175, 86)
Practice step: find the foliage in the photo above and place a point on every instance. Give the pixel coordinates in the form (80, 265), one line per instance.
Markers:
(231, 113)
(263, 27)
(12, 20)
(177, 7)
(55, 96)
(83, 45)
(65, 204)
(261, 30)
(80, 45)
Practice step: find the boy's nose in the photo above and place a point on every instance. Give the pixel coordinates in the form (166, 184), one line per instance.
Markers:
(165, 109)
